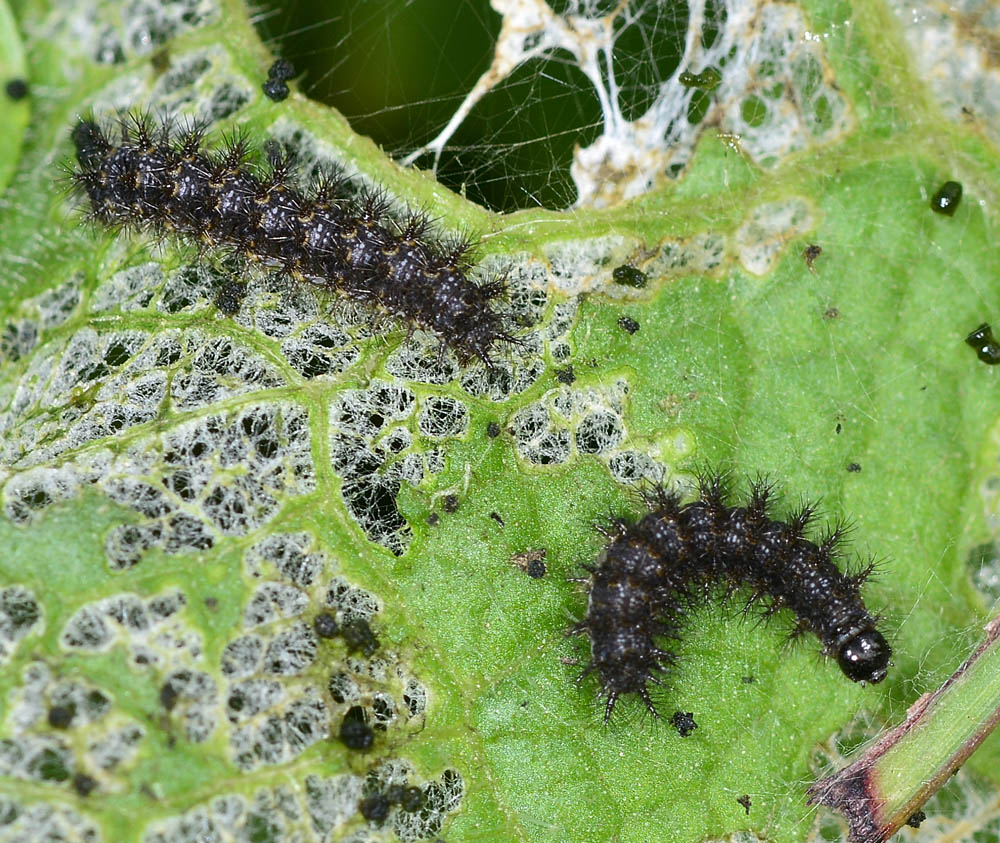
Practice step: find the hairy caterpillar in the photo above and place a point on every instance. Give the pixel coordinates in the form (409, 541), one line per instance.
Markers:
(150, 177)
(654, 569)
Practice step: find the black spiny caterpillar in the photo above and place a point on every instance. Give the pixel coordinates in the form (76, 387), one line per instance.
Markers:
(654, 570)
(149, 177)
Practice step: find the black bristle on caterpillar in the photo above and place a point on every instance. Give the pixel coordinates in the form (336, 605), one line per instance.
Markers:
(655, 570)
(146, 176)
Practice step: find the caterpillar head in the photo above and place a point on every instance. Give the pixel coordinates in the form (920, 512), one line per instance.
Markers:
(864, 657)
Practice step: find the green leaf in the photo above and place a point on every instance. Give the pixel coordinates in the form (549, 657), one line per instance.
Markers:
(177, 490)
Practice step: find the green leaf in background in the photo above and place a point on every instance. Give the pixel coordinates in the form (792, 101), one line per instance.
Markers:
(184, 493)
